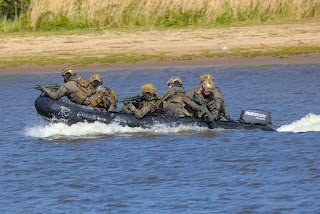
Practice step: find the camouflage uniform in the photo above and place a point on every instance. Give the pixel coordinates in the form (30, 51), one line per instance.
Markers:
(219, 101)
(76, 89)
(173, 102)
(149, 104)
(69, 89)
(207, 100)
(104, 98)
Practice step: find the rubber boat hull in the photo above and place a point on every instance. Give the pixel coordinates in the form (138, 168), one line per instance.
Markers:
(71, 113)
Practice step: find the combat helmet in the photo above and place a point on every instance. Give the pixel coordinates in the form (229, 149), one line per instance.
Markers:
(205, 77)
(95, 77)
(208, 85)
(176, 81)
(148, 88)
(68, 70)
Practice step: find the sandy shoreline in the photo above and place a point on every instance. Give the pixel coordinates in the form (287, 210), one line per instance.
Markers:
(155, 64)
(173, 43)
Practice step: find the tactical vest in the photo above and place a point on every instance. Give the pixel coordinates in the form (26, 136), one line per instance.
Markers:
(109, 93)
(176, 98)
(113, 95)
(156, 104)
(222, 110)
(202, 99)
(84, 91)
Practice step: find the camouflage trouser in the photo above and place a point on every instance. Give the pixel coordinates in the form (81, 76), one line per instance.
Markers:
(172, 109)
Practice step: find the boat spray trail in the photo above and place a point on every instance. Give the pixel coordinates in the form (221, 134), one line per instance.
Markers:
(98, 129)
(310, 122)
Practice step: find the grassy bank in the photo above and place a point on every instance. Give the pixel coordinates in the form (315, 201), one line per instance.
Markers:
(48, 15)
(111, 58)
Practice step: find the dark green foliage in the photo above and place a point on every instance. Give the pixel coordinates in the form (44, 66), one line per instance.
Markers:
(250, 13)
(227, 16)
(314, 9)
(42, 20)
(282, 9)
(12, 9)
(23, 24)
(46, 23)
(264, 16)
(128, 14)
(179, 18)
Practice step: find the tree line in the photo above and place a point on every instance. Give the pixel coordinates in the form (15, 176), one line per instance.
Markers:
(12, 9)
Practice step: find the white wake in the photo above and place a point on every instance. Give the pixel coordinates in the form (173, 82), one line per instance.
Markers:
(310, 122)
(97, 129)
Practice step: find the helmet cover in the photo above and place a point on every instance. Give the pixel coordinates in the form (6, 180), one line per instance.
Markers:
(95, 77)
(68, 70)
(175, 79)
(148, 88)
(208, 85)
(205, 77)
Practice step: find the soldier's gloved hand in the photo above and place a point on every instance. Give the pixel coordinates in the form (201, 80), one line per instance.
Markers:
(201, 111)
(207, 118)
(199, 108)
(222, 118)
(131, 107)
(39, 87)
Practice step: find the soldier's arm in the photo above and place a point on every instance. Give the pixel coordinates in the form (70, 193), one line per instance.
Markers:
(62, 91)
(167, 94)
(126, 108)
(190, 103)
(140, 113)
(192, 93)
(213, 109)
(219, 99)
(111, 107)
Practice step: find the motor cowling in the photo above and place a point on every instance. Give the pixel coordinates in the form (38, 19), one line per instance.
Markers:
(256, 117)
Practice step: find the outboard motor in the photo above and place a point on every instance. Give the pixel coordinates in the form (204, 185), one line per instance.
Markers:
(256, 117)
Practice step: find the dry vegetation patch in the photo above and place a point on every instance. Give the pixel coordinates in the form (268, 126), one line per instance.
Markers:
(158, 45)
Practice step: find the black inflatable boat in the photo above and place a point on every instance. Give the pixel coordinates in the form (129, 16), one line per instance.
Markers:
(71, 113)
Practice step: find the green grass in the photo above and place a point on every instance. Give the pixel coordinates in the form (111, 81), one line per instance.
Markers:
(99, 31)
(110, 58)
(77, 60)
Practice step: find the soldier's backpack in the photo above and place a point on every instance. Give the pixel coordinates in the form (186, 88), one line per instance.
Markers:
(84, 92)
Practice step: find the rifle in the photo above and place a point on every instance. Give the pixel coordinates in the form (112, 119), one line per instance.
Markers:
(54, 86)
(136, 101)
(204, 110)
(137, 98)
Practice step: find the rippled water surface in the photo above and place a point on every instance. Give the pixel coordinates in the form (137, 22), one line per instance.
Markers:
(98, 168)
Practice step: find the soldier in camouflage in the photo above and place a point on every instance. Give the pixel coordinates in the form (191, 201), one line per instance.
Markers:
(219, 101)
(174, 99)
(70, 88)
(104, 97)
(204, 97)
(149, 102)
(210, 97)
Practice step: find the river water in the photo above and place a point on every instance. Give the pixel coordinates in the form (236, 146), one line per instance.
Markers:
(97, 168)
